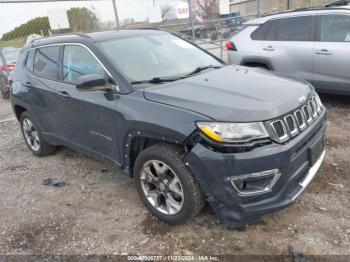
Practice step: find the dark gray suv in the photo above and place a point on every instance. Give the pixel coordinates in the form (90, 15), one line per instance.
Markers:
(187, 127)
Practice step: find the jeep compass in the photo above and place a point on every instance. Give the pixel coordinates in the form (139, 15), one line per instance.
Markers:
(188, 128)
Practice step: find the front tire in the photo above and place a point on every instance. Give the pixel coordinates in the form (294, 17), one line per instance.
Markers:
(166, 186)
(33, 137)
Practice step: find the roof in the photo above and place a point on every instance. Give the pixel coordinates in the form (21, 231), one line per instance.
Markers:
(298, 12)
(90, 37)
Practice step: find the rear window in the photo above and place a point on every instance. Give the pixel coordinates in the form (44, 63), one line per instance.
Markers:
(261, 32)
(293, 29)
(46, 62)
(286, 29)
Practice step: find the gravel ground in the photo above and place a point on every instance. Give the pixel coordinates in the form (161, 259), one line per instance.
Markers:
(99, 212)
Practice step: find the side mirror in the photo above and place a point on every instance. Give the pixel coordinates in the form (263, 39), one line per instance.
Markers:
(92, 82)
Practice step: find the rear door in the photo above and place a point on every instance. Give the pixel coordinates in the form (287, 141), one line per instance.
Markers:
(332, 53)
(41, 80)
(89, 118)
(289, 45)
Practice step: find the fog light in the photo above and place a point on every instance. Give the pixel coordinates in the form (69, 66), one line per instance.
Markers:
(255, 183)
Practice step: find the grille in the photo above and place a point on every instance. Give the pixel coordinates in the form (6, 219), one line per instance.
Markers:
(292, 124)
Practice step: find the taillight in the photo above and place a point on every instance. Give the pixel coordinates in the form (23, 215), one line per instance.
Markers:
(230, 46)
(9, 66)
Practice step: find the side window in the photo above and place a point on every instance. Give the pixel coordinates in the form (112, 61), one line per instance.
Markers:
(261, 32)
(30, 60)
(77, 62)
(294, 29)
(46, 62)
(335, 28)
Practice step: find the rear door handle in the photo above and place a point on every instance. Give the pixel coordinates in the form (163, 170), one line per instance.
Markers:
(323, 52)
(64, 94)
(269, 48)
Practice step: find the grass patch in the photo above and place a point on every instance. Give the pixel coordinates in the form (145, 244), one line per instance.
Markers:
(18, 42)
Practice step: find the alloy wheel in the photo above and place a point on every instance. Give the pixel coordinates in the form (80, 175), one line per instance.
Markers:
(162, 187)
(31, 134)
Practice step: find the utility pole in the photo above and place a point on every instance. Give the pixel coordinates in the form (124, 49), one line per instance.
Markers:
(258, 8)
(116, 14)
(191, 18)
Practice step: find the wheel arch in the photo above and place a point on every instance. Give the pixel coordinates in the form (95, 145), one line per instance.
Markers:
(257, 61)
(137, 141)
(19, 111)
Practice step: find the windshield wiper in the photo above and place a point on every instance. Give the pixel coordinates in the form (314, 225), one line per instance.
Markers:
(201, 68)
(156, 80)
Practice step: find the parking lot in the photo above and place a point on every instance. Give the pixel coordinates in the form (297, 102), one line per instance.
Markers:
(99, 212)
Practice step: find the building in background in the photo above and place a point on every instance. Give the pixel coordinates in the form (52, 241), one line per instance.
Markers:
(250, 7)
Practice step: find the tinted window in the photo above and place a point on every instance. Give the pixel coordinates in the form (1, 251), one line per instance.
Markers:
(30, 60)
(335, 28)
(271, 34)
(294, 29)
(261, 32)
(46, 62)
(77, 62)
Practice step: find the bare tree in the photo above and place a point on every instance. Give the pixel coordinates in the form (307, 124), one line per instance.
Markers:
(166, 9)
(206, 8)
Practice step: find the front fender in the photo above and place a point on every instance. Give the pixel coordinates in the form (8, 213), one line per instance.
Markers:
(149, 119)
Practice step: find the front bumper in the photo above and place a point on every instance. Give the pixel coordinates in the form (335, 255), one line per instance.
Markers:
(298, 162)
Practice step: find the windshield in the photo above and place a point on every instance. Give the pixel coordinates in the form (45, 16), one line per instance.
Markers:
(155, 56)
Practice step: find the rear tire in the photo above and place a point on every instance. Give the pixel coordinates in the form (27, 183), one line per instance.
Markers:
(5, 90)
(166, 186)
(33, 137)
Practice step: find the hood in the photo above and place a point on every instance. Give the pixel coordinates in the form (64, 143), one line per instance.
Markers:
(234, 94)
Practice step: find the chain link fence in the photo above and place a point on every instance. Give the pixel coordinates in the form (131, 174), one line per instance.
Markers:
(25, 20)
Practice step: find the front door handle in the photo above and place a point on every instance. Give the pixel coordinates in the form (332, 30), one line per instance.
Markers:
(64, 94)
(323, 52)
(269, 48)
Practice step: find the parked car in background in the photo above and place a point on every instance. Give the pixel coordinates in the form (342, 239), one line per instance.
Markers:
(180, 126)
(312, 44)
(10, 55)
(229, 23)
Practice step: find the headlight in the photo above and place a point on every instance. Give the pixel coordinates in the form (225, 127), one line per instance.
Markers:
(233, 132)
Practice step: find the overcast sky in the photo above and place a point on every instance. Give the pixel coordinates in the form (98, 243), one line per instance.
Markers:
(15, 14)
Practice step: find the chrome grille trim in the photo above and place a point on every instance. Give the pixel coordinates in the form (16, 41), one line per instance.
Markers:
(307, 114)
(301, 125)
(293, 131)
(317, 104)
(313, 108)
(285, 135)
(290, 125)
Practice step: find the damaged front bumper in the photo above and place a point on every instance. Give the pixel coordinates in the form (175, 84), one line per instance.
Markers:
(241, 187)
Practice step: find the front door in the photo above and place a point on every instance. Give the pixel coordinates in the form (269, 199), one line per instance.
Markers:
(89, 117)
(332, 54)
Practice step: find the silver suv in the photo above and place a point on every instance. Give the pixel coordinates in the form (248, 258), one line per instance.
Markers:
(311, 44)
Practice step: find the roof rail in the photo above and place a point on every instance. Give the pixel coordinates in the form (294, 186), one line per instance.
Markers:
(59, 35)
(338, 3)
(145, 28)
